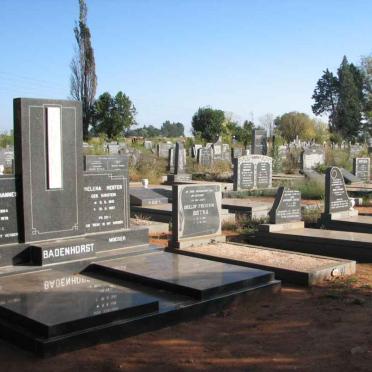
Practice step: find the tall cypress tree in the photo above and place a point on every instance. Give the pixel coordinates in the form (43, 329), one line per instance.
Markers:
(83, 68)
(348, 120)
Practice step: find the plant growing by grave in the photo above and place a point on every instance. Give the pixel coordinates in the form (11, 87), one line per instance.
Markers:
(147, 166)
(83, 82)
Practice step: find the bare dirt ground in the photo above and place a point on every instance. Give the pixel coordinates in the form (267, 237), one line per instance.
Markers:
(326, 328)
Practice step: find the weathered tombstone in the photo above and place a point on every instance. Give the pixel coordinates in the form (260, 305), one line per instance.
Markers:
(113, 148)
(252, 171)
(226, 152)
(259, 142)
(163, 150)
(217, 149)
(286, 207)
(196, 215)
(236, 152)
(362, 168)
(195, 149)
(179, 174)
(312, 157)
(205, 156)
(171, 160)
(147, 144)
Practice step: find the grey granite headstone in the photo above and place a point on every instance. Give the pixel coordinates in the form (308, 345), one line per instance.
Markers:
(226, 152)
(362, 168)
(195, 148)
(49, 165)
(259, 142)
(196, 211)
(180, 159)
(179, 174)
(8, 211)
(286, 207)
(147, 145)
(113, 148)
(336, 197)
(252, 171)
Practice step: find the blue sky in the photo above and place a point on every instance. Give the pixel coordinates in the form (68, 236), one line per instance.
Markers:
(248, 57)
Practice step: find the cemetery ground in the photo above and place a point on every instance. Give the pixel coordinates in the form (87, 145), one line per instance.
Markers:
(325, 328)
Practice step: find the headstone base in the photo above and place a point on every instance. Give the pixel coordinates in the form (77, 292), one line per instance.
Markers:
(196, 242)
(326, 217)
(179, 178)
(267, 227)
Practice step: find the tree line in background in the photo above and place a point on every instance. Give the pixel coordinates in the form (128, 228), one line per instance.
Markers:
(347, 100)
(345, 97)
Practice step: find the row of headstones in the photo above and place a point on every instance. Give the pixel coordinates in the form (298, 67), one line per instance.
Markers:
(287, 204)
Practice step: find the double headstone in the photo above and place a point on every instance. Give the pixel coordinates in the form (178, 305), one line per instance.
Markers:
(252, 171)
(362, 168)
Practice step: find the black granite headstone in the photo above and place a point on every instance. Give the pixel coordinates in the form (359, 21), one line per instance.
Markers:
(286, 207)
(196, 211)
(336, 197)
(8, 211)
(49, 165)
(362, 168)
(180, 159)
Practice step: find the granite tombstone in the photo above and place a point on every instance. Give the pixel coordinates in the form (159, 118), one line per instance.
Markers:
(286, 207)
(205, 156)
(196, 213)
(362, 168)
(336, 197)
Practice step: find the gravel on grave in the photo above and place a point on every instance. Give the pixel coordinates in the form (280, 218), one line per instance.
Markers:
(263, 256)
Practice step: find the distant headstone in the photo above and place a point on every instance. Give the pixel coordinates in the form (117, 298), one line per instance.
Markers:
(205, 156)
(179, 174)
(226, 152)
(311, 157)
(362, 168)
(171, 160)
(252, 171)
(112, 163)
(194, 150)
(218, 149)
(259, 144)
(163, 150)
(236, 152)
(286, 207)
(349, 177)
(336, 197)
(113, 148)
(147, 145)
(196, 214)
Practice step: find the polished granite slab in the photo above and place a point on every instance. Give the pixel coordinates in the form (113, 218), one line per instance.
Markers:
(52, 302)
(194, 277)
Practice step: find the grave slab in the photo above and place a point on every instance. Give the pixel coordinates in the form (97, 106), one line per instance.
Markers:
(198, 278)
(291, 267)
(52, 303)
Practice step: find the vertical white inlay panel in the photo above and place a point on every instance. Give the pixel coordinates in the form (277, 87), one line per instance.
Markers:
(54, 147)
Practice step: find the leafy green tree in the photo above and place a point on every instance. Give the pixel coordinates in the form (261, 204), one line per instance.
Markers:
(83, 82)
(208, 123)
(146, 132)
(366, 67)
(350, 103)
(169, 129)
(6, 139)
(326, 97)
(113, 115)
(245, 132)
(293, 124)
